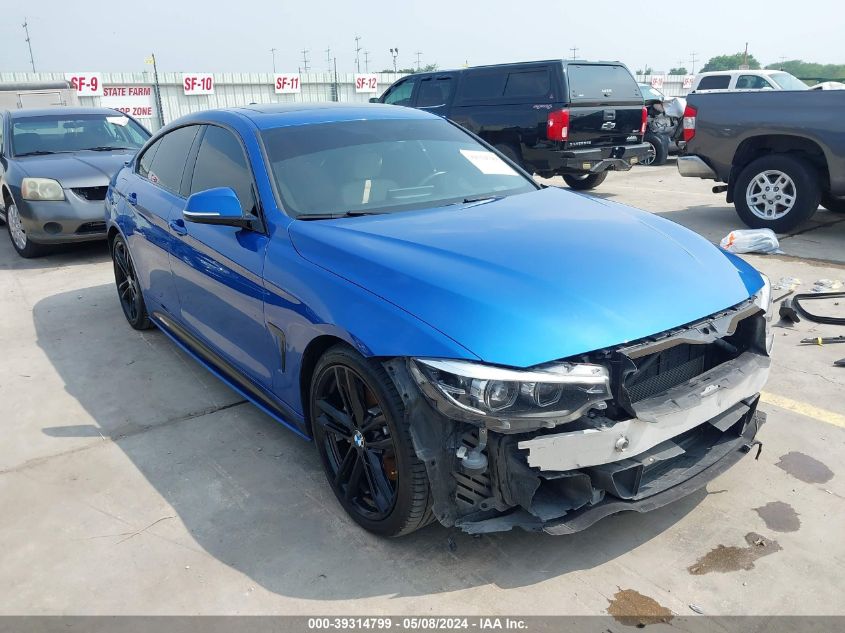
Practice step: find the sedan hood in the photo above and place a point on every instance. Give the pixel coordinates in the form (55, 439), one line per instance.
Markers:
(82, 169)
(534, 277)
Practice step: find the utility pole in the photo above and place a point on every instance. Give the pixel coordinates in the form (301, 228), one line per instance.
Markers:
(693, 59)
(574, 50)
(156, 88)
(273, 51)
(329, 58)
(358, 52)
(28, 43)
(366, 61)
(418, 54)
(335, 85)
(745, 57)
(305, 60)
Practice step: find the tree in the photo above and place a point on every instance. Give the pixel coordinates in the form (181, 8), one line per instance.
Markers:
(648, 71)
(810, 70)
(678, 71)
(730, 62)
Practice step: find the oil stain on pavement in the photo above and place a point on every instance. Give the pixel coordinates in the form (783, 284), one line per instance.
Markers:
(779, 516)
(631, 608)
(807, 469)
(723, 559)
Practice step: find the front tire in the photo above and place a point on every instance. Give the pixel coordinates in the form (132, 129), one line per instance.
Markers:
(585, 182)
(128, 289)
(17, 234)
(778, 192)
(364, 444)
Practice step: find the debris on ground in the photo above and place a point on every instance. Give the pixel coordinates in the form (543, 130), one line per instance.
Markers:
(825, 285)
(823, 340)
(697, 609)
(786, 283)
(751, 241)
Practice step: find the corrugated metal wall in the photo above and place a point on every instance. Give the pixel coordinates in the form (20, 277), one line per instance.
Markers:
(230, 89)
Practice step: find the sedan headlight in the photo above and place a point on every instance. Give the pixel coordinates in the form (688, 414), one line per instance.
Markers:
(763, 299)
(512, 399)
(41, 189)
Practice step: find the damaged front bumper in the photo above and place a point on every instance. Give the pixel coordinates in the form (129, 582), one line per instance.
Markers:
(659, 446)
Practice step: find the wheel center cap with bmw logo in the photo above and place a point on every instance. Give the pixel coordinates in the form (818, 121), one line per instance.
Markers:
(358, 439)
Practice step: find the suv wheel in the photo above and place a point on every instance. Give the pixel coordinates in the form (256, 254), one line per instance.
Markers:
(17, 234)
(831, 203)
(659, 151)
(128, 290)
(777, 192)
(584, 181)
(364, 443)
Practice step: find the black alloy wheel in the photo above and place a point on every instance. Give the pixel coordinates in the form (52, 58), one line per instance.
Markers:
(128, 291)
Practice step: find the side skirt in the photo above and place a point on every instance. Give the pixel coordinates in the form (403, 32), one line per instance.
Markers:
(229, 375)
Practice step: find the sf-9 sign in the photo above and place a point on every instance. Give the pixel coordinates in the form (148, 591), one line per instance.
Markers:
(86, 84)
(287, 83)
(366, 83)
(198, 83)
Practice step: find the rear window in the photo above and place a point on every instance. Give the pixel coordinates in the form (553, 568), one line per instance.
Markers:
(483, 85)
(533, 83)
(598, 82)
(714, 82)
(506, 83)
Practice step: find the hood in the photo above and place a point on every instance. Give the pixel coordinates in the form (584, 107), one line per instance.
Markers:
(534, 277)
(83, 169)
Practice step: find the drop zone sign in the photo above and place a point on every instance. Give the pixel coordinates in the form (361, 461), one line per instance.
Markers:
(136, 101)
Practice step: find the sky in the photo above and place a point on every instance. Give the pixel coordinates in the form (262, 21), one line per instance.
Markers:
(207, 36)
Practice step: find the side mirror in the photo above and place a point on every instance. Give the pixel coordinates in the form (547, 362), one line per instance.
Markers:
(374, 100)
(216, 206)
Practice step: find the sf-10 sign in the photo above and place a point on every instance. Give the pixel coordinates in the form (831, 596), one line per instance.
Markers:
(287, 83)
(86, 84)
(198, 83)
(366, 83)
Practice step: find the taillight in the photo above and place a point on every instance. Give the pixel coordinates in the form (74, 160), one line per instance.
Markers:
(644, 123)
(689, 122)
(558, 125)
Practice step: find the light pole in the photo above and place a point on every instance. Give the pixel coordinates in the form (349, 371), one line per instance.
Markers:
(358, 53)
(273, 52)
(395, 53)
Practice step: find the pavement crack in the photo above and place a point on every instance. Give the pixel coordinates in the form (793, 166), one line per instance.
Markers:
(815, 375)
(812, 228)
(114, 437)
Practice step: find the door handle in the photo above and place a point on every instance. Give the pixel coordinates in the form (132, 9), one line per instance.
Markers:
(132, 198)
(178, 227)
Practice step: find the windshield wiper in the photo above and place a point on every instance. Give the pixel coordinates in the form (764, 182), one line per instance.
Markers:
(37, 152)
(481, 199)
(334, 216)
(103, 148)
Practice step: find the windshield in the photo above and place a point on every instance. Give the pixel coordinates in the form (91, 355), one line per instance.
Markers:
(382, 166)
(788, 82)
(59, 133)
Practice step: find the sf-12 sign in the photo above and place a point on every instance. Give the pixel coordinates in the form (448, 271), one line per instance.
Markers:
(688, 79)
(198, 83)
(287, 83)
(366, 83)
(86, 84)
(134, 100)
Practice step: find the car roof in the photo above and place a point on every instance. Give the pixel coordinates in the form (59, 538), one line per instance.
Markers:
(272, 115)
(759, 71)
(60, 111)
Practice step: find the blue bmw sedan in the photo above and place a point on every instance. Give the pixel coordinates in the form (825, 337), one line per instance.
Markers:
(460, 343)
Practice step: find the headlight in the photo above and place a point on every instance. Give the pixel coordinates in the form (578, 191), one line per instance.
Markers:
(763, 299)
(511, 398)
(41, 189)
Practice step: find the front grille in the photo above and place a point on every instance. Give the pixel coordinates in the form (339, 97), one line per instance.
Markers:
(92, 227)
(92, 194)
(666, 369)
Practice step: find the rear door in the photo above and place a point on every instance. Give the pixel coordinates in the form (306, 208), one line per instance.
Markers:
(218, 269)
(605, 105)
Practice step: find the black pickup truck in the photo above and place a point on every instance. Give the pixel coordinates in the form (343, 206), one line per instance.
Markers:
(572, 118)
(780, 153)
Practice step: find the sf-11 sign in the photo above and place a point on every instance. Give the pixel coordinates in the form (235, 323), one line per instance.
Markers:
(86, 84)
(287, 83)
(657, 82)
(366, 83)
(198, 83)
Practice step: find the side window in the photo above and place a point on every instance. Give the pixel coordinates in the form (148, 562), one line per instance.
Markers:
(533, 83)
(147, 159)
(221, 163)
(483, 84)
(752, 82)
(401, 94)
(168, 164)
(714, 82)
(434, 92)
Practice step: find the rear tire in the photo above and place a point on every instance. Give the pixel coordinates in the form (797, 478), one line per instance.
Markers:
(660, 147)
(778, 192)
(365, 445)
(512, 153)
(128, 291)
(831, 203)
(583, 183)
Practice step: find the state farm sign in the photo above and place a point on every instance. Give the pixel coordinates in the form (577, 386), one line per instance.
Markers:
(287, 83)
(198, 83)
(86, 84)
(134, 100)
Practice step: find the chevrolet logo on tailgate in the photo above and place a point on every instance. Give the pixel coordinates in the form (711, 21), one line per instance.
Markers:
(608, 125)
